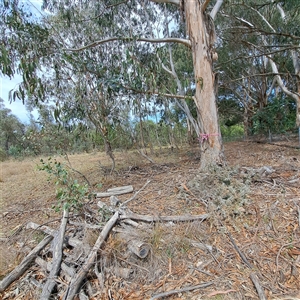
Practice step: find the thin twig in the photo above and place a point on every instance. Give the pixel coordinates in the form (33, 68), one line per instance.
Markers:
(298, 209)
(271, 219)
(74, 170)
(186, 289)
(278, 254)
(241, 254)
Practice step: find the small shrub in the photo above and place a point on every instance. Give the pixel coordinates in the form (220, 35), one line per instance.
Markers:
(69, 192)
(232, 132)
(14, 151)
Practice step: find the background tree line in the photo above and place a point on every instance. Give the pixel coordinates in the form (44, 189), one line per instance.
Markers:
(97, 81)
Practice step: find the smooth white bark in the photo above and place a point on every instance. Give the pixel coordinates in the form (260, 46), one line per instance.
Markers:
(176, 2)
(216, 8)
(112, 39)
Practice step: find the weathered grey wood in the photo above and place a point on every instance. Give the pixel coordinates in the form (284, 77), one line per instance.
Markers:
(139, 248)
(44, 228)
(121, 188)
(57, 257)
(116, 191)
(78, 278)
(71, 241)
(146, 218)
(67, 271)
(114, 201)
(24, 265)
(259, 289)
(133, 240)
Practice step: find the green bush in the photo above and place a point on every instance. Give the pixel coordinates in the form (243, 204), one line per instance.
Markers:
(232, 132)
(14, 151)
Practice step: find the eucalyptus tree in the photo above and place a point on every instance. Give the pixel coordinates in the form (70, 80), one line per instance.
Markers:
(123, 25)
(267, 60)
(11, 130)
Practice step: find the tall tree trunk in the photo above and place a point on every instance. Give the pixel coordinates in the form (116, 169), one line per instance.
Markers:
(201, 33)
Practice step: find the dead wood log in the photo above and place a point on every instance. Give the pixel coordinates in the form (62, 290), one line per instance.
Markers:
(116, 191)
(78, 278)
(134, 244)
(57, 257)
(145, 218)
(186, 289)
(71, 241)
(139, 248)
(66, 271)
(24, 265)
(44, 228)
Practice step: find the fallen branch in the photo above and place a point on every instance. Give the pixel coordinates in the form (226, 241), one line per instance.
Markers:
(116, 191)
(150, 219)
(24, 265)
(260, 291)
(57, 257)
(136, 193)
(241, 254)
(67, 272)
(71, 241)
(145, 156)
(78, 278)
(186, 289)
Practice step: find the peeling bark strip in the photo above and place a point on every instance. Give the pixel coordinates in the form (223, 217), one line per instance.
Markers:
(24, 265)
(78, 278)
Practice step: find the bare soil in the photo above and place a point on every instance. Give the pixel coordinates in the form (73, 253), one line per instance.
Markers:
(254, 223)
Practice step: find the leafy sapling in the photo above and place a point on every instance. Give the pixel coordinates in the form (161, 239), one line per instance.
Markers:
(69, 192)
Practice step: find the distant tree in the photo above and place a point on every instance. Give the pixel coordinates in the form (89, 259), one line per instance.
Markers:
(259, 54)
(12, 130)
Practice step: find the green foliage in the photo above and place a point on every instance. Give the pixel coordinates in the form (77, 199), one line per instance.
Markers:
(11, 131)
(232, 132)
(69, 192)
(277, 117)
(14, 151)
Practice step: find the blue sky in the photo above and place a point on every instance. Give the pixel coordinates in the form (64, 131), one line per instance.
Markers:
(7, 84)
(16, 107)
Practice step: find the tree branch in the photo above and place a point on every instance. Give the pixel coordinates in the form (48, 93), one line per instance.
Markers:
(176, 2)
(204, 5)
(155, 93)
(129, 39)
(216, 9)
